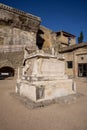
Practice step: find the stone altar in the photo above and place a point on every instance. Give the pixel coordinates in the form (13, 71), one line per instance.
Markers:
(43, 77)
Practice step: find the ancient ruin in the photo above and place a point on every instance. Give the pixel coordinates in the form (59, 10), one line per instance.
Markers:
(17, 30)
(43, 77)
(17, 27)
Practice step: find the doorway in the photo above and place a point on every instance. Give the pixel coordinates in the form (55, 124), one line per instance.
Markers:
(6, 72)
(82, 70)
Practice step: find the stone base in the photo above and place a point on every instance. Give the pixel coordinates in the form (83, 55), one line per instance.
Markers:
(39, 91)
(43, 78)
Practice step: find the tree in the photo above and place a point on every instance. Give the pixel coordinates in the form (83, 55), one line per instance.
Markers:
(80, 38)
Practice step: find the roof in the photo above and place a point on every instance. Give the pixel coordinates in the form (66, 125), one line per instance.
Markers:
(66, 33)
(73, 47)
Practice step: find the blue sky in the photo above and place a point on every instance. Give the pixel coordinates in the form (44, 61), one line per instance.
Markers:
(67, 15)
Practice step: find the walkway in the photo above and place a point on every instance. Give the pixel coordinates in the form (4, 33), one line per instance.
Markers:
(15, 116)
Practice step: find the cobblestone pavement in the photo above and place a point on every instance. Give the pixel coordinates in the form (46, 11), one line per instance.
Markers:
(14, 115)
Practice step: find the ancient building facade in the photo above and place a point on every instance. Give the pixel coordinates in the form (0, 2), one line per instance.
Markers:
(17, 27)
(65, 39)
(76, 60)
(17, 30)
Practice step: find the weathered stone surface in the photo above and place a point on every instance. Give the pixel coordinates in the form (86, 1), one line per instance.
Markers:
(43, 78)
(17, 27)
(44, 38)
(17, 30)
(15, 36)
(78, 55)
(19, 19)
(12, 59)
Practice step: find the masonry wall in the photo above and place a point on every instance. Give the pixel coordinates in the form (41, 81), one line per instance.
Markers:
(16, 36)
(69, 57)
(77, 56)
(17, 30)
(13, 59)
(80, 57)
(64, 39)
(17, 27)
(44, 38)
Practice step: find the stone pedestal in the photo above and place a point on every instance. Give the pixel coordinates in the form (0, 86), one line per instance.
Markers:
(44, 78)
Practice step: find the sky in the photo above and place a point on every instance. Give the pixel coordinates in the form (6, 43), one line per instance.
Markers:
(57, 15)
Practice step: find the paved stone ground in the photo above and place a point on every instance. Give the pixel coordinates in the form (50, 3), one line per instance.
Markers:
(66, 114)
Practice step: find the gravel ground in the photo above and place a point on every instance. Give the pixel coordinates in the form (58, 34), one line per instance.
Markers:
(63, 115)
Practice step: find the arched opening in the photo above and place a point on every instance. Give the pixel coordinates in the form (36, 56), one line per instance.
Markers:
(39, 39)
(6, 72)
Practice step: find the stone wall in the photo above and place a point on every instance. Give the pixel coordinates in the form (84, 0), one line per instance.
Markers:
(17, 27)
(19, 19)
(69, 57)
(17, 30)
(12, 59)
(44, 38)
(16, 36)
(64, 40)
(78, 55)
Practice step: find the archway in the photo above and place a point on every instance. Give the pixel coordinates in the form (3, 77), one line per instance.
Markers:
(6, 72)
